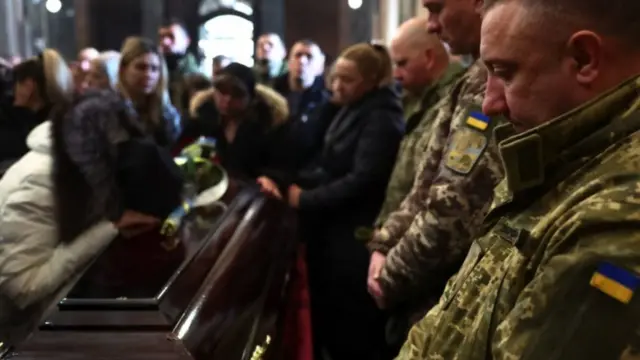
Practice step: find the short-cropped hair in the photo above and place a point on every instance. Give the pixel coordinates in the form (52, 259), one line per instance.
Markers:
(619, 19)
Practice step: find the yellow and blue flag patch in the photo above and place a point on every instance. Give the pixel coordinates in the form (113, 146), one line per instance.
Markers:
(616, 282)
(478, 120)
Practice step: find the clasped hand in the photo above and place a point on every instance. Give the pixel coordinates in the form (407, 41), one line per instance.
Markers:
(373, 284)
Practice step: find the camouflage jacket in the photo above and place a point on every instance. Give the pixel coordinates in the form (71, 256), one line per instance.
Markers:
(432, 230)
(553, 274)
(419, 127)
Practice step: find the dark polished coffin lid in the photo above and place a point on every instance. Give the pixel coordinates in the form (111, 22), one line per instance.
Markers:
(140, 283)
(219, 299)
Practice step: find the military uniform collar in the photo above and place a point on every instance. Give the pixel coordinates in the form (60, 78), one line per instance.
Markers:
(415, 104)
(526, 156)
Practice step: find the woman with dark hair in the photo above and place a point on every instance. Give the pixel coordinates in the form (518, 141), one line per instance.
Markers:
(243, 117)
(34, 263)
(94, 171)
(39, 84)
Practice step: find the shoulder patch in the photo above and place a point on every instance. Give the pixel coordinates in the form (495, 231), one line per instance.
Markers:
(478, 120)
(615, 281)
(466, 147)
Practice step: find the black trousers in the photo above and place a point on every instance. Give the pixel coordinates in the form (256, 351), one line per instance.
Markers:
(345, 320)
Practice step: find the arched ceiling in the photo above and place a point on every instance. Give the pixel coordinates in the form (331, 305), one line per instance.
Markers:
(209, 6)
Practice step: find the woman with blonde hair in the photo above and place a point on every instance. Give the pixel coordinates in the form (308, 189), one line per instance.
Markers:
(143, 81)
(343, 192)
(103, 71)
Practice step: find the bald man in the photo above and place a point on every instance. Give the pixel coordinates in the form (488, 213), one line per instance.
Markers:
(422, 67)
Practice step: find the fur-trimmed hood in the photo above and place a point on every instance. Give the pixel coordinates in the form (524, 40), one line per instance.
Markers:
(276, 103)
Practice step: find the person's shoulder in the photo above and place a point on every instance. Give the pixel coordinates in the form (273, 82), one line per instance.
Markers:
(169, 111)
(98, 100)
(199, 99)
(386, 100)
(613, 175)
(470, 86)
(27, 181)
(600, 198)
(276, 103)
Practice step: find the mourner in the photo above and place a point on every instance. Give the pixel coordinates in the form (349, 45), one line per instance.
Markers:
(554, 272)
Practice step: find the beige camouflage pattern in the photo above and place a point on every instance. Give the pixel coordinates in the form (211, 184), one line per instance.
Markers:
(414, 144)
(432, 230)
(570, 201)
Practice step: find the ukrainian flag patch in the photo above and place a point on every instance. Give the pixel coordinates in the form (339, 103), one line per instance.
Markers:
(478, 120)
(615, 281)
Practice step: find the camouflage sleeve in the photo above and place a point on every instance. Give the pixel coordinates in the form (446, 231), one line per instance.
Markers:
(399, 220)
(419, 335)
(396, 189)
(580, 303)
(439, 236)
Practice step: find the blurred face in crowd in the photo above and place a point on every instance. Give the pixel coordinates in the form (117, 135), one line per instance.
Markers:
(230, 99)
(534, 76)
(347, 83)
(79, 76)
(25, 92)
(457, 22)
(173, 40)
(96, 77)
(305, 63)
(219, 65)
(85, 57)
(142, 74)
(411, 65)
(270, 48)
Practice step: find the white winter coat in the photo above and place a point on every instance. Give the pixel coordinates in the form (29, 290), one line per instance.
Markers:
(35, 269)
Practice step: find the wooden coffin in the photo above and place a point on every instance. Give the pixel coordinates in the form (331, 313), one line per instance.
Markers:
(217, 296)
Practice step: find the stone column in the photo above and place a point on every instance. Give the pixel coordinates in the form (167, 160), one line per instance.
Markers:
(82, 17)
(389, 18)
(268, 16)
(152, 17)
(10, 19)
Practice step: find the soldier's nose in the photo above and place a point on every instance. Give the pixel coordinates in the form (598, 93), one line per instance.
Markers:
(494, 102)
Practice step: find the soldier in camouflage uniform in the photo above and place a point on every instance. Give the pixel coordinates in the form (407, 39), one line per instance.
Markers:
(426, 238)
(422, 67)
(554, 271)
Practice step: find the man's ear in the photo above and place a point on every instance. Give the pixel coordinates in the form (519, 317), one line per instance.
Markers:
(585, 51)
(479, 6)
(429, 56)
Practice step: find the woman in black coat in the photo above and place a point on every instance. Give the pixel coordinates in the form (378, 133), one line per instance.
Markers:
(244, 118)
(342, 192)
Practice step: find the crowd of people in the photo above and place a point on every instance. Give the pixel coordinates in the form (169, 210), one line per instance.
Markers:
(477, 209)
